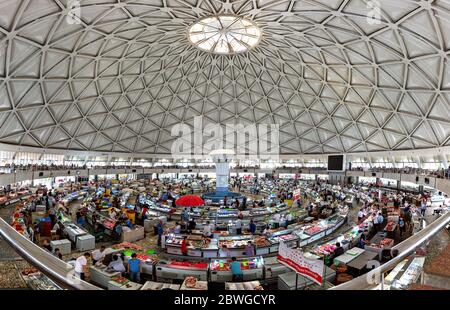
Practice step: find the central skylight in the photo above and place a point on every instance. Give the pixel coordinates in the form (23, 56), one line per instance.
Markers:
(224, 34)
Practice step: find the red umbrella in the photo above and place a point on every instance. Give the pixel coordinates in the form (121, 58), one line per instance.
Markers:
(189, 201)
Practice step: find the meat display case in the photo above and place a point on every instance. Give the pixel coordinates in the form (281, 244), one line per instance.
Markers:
(252, 269)
(179, 270)
(148, 260)
(100, 275)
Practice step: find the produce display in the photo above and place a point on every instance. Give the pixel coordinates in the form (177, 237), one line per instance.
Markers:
(224, 265)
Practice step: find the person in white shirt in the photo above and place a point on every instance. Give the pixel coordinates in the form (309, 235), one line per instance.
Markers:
(289, 217)
(223, 251)
(113, 214)
(98, 255)
(177, 228)
(360, 215)
(238, 226)
(277, 217)
(207, 230)
(116, 264)
(81, 265)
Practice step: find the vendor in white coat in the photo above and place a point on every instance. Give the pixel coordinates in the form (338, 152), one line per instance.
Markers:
(116, 264)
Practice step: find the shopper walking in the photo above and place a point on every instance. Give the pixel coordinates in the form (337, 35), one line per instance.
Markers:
(423, 207)
(160, 232)
(135, 268)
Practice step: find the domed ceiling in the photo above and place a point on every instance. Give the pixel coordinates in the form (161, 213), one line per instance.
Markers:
(116, 76)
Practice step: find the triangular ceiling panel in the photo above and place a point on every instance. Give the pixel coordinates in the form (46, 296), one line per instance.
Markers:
(129, 72)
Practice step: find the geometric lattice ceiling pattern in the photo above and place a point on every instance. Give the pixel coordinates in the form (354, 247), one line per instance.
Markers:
(122, 77)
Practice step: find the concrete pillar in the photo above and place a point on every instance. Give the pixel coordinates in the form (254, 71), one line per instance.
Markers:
(444, 161)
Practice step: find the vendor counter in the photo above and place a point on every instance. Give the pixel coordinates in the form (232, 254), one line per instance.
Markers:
(297, 236)
(287, 281)
(179, 270)
(102, 276)
(135, 234)
(252, 269)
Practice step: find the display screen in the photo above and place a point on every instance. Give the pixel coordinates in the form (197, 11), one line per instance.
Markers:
(336, 162)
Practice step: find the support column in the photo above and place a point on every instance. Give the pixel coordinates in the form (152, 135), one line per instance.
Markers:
(444, 161)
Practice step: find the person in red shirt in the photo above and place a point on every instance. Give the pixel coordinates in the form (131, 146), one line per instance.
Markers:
(184, 246)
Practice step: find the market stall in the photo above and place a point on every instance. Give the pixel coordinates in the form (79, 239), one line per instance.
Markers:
(180, 269)
(252, 269)
(378, 243)
(101, 275)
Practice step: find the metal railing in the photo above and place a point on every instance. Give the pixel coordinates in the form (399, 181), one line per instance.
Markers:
(56, 269)
(376, 276)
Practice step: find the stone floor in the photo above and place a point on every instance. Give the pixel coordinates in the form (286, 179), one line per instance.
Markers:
(6, 252)
(10, 261)
(438, 242)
